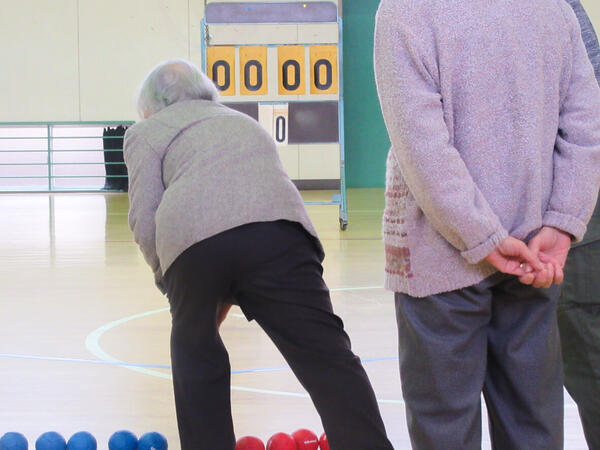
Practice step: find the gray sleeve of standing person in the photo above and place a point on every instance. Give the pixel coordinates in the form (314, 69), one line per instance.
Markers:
(590, 39)
(577, 148)
(145, 193)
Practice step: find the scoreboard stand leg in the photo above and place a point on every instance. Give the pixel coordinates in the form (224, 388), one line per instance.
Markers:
(340, 199)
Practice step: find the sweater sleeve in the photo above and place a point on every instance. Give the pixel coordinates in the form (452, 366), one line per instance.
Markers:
(589, 36)
(146, 188)
(430, 165)
(577, 150)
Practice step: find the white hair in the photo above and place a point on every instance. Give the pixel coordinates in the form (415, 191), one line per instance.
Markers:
(173, 81)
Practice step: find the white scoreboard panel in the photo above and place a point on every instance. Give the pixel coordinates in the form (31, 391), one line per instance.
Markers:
(279, 62)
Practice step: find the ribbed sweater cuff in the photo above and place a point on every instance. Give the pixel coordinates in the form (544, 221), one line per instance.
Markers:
(564, 222)
(476, 254)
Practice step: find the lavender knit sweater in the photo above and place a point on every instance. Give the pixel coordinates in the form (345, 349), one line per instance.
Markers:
(493, 112)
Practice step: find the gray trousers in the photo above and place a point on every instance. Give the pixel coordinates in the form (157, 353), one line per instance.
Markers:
(579, 324)
(498, 337)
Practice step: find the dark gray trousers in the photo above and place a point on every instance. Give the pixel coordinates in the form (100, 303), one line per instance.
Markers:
(498, 337)
(579, 324)
(274, 272)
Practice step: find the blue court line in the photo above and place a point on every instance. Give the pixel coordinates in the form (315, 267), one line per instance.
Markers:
(77, 360)
(154, 366)
(239, 388)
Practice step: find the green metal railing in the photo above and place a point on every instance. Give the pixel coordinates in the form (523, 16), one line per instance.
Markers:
(59, 157)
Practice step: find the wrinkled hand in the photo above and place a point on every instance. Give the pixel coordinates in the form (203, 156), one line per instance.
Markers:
(513, 256)
(222, 311)
(552, 247)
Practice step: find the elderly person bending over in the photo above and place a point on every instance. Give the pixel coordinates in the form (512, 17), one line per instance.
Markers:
(217, 218)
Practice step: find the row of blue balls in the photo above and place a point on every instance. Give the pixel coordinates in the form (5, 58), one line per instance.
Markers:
(120, 440)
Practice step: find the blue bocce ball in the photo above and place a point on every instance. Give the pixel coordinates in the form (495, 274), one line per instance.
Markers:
(82, 441)
(123, 440)
(13, 441)
(50, 440)
(152, 441)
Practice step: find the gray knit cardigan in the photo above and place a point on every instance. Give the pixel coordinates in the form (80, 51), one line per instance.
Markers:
(198, 168)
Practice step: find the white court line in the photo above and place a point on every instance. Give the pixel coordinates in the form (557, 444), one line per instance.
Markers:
(92, 343)
(365, 288)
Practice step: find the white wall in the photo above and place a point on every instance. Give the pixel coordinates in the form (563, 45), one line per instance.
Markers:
(82, 60)
(38, 49)
(119, 42)
(593, 9)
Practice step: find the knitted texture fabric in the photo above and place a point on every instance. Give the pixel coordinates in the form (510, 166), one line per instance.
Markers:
(198, 168)
(493, 113)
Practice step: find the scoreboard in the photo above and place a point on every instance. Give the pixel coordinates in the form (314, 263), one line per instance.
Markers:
(280, 63)
(291, 69)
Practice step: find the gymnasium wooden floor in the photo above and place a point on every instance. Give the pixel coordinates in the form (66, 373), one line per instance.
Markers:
(84, 333)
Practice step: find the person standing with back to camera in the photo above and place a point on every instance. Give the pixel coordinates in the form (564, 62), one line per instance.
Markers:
(493, 113)
(217, 218)
(579, 303)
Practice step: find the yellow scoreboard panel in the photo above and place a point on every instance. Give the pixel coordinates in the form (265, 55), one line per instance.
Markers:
(220, 65)
(323, 69)
(253, 70)
(291, 69)
(292, 76)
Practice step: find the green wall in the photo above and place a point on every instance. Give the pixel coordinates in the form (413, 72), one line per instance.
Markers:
(366, 139)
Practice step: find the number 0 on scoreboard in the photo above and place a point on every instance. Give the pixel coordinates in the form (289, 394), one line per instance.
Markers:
(253, 70)
(291, 69)
(221, 68)
(323, 69)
